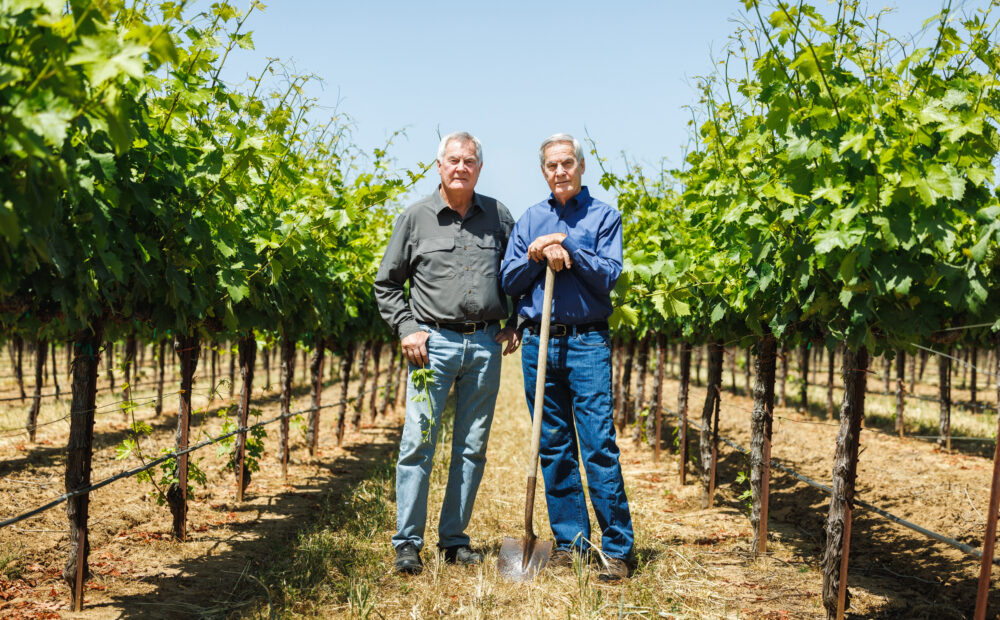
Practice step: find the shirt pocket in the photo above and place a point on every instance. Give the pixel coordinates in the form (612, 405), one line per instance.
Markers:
(487, 260)
(436, 257)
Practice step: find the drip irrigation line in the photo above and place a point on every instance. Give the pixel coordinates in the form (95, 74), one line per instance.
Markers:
(10, 432)
(151, 464)
(876, 431)
(913, 526)
(986, 373)
(964, 327)
(134, 384)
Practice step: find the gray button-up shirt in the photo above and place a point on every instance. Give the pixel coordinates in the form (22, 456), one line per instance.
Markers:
(452, 264)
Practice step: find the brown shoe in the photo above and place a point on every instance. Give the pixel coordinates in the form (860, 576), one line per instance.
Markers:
(561, 558)
(613, 571)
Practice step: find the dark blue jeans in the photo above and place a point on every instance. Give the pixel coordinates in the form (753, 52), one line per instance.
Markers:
(578, 392)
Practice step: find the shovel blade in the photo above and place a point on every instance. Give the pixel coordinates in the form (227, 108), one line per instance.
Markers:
(520, 559)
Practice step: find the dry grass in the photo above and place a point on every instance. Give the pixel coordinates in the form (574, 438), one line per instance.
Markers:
(344, 566)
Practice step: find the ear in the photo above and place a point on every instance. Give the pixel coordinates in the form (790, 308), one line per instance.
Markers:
(583, 165)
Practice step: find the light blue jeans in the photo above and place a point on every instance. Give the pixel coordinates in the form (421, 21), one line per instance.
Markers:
(472, 363)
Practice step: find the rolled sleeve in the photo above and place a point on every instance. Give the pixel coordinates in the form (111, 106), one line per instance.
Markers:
(599, 270)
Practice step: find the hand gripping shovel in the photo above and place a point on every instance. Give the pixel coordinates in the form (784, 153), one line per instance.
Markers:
(522, 559)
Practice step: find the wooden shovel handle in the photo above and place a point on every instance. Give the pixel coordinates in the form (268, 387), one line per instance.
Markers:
(536, 416)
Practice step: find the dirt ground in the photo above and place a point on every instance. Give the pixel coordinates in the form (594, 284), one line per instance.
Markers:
(138, 570)
(692, 563)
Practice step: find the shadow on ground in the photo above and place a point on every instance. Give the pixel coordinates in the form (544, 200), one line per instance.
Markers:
(219, 584)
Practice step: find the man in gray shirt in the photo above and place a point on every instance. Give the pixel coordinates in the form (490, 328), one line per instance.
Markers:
(448, 246)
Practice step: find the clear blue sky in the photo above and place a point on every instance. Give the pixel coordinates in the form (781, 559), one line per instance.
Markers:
(513, 73)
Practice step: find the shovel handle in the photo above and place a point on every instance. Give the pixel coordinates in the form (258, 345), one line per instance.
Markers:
(536, 416)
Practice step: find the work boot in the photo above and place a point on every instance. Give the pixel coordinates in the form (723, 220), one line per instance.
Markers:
(613, 571)
(564, 558)
(462, 555)
(561, 558)
(408, 559)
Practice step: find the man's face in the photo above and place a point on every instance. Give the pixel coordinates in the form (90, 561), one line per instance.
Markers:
(563, 172)
(459, 168)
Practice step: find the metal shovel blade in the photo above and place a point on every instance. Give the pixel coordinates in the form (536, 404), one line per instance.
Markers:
(521, 559)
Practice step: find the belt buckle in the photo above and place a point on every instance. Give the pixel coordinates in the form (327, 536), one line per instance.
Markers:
(470, 328)
(556, 333)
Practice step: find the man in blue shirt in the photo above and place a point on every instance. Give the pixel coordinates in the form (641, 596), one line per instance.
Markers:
(581, 238)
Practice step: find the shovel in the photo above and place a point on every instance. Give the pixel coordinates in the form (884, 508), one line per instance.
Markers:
(522, 559)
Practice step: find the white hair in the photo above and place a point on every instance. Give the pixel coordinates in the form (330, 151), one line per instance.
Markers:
(560, 137)
(463, 137)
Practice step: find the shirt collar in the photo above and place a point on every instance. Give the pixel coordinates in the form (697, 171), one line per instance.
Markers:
(580, 200)
(440, 205)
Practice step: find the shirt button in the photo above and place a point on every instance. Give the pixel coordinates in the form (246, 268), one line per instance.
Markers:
(466, 268)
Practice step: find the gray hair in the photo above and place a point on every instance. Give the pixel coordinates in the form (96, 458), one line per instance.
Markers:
(560, 137)
(463, 137)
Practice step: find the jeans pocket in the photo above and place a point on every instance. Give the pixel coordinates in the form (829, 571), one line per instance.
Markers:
(600, 338)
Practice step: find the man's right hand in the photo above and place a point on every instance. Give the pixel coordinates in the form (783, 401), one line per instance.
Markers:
(415, 348)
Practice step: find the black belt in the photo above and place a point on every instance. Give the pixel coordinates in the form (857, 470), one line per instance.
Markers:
(558, 330)
(469, 327)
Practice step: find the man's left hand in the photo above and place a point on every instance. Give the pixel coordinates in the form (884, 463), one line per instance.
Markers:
(537, 247)
(511, 337)
(558, 257)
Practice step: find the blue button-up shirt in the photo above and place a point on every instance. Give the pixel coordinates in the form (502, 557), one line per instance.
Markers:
(594, 241)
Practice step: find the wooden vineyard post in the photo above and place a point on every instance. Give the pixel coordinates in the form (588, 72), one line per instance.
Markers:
(624, 414)
(900, 389)
(316, 371)
(661, 353)
(248, 359)
(287, 377)
(682, 405)
(989, 538)
(55, 371)
(760, 439)
(232, 369)
(829, 383)
(404, 370)
(129, 363)
(973, 378)
(214, 363)
(640, 386)
(305, 366)
(845, 467)
(360, 399)
(159, 382)
(376, 360)
(617, 351)
(78, 458)
(783, 378)
(732, 369)
(17, 357)
(109, 363)
(390, 379)
(804, 371)
(188, 350)
(41, 351)
(266, 359)
(710, 423)
(944, 385)
(747, 369)
(345, 378)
